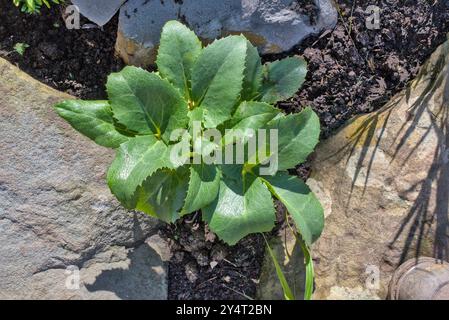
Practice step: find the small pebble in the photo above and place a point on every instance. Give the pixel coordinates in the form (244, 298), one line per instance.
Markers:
(191, 272)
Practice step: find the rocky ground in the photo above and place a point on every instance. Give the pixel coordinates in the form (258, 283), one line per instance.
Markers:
(352, 70)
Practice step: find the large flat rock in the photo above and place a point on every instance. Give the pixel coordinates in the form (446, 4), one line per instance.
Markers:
(56, 210)
(274, 26)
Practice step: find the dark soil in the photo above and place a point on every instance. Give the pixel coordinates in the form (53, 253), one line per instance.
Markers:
(203, 267)
(352, 70)
(74, 61)
(355, 70)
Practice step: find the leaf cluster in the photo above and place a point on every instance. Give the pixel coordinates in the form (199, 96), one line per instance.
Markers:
(222, 86)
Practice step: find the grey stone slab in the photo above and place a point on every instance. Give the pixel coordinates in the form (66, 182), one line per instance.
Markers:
(56, 210)
(98, 11)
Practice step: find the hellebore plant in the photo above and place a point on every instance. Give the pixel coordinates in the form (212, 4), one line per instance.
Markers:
(34, 6)
(167, 165)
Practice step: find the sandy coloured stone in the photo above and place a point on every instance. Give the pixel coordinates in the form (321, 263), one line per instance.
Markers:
(387, 177)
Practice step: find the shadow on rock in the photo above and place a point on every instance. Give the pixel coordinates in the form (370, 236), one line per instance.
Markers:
(427, 117)
(433, 102)
(143, 277)
(384, 182)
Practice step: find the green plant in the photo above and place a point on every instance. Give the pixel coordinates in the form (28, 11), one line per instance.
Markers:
(152, 116)
(34, 6)
(20, 48)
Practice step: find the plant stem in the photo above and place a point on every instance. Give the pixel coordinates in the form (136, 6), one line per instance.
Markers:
(308, 262)
(310, 273)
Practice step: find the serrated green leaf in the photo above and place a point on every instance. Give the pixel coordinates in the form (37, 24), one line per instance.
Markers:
(145, 103)
(252, 80)
(178, 51)
(243, 206)
(283, 79)
(301, 203)
(249, 117)
(180, 152)
(93, 119)
(31, 4)
(162, 194)
(217, 78)
(136, 160)
(298, 134)
(203, 187)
